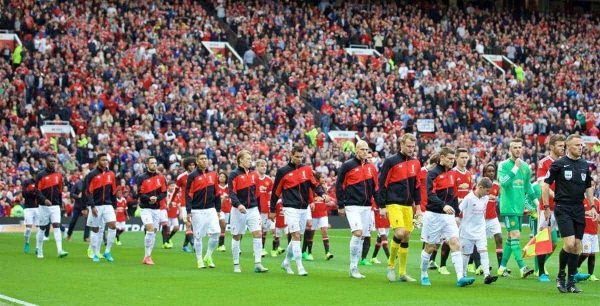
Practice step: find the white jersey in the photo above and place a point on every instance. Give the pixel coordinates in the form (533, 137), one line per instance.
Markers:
(472, 225)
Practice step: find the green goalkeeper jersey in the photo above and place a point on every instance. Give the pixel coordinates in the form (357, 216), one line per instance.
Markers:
(515, 186)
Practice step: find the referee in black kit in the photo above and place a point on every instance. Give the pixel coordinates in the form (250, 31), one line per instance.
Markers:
(573, 180)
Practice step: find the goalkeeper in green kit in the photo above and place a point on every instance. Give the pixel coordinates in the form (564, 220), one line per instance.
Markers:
(514, 176)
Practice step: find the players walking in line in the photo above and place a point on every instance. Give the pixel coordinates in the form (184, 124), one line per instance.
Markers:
(472, 229)
(202, 204)
(573, 180)
(30, 212)
(556, 145)
(292, 185)
(439, 221)
(356, 186)
(225, 213)
(100, 191)
(590, 238)
(515, 184)
(49, 186)
(242, 191)
(399, 193)
(189, 164)
(151, 190)
(265, 187)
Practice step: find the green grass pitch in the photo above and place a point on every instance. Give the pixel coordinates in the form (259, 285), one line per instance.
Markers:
(175, 280)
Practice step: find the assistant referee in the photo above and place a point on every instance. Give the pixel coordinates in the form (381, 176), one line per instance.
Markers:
(573, 180)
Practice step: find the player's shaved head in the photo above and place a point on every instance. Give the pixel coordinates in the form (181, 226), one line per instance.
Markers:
(361, 144)
(362, 150)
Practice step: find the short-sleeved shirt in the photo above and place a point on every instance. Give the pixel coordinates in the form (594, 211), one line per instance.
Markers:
(572, 178)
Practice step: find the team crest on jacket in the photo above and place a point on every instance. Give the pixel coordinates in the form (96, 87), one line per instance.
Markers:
(583, 176)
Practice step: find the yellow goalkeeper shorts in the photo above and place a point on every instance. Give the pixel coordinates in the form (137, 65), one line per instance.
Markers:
(400, 216)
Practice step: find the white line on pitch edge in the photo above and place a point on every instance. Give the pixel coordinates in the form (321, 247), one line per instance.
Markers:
(13, 300)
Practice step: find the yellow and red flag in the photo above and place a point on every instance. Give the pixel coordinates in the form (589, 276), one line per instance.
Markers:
(539, 245)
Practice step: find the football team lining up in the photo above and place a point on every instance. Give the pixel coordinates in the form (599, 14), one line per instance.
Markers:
(454, 211)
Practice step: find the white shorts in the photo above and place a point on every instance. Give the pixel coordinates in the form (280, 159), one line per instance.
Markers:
(205, 221)
(467, 245)
(320, 222)
(30, 216)
(225, 217)
(492, 227)
(542, 221)
(437, 227)
(163, 217)
(150, 216)
(265, 222)
(239, 221)
(590, 244)
(174, 222)
(106, 213)
(48, 214)
(281, 232)
(382, 232)
(360, 218)
(295, 219)
(121, 225)
(183, 214)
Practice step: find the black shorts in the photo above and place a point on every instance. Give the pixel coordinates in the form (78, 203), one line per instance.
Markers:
(570, 220)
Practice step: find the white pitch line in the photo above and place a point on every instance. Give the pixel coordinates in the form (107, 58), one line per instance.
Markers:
(13, 300)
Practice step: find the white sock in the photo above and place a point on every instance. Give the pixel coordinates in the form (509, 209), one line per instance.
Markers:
(99, 241)
(58, 239)
(257, 247)
(457, 261)
(110, 238)
(465, 260)
(297, 254)
(235, 251)
(149, 243)
(213, 241)
(485, 263)
(27, 234)
(425, 257)
(39, 240)
(198, 247)
(93, 242)
(289, 253)
(355, 251)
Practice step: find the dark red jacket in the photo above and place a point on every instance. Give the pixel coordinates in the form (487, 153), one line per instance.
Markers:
(356, 184)
(201, 191)
(292, 185)
(440, 190)
(100, 188)
(49, 186)
(151, 185)
(29, 193)
(242, 188)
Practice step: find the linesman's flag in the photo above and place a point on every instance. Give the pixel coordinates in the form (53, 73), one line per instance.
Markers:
(539, 245)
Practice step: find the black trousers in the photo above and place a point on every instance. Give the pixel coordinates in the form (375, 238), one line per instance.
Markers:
(75, 216)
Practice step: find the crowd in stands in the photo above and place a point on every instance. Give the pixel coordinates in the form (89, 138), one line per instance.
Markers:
(134, 80)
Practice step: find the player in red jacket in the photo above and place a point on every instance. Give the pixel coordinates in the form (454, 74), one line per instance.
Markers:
(121, 212)
(225, 209)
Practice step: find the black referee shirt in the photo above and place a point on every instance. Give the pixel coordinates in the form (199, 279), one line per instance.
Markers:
(572, 178)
